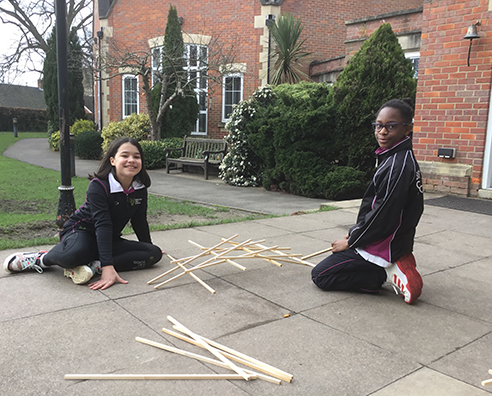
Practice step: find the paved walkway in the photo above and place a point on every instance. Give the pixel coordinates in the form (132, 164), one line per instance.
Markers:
(333, 343)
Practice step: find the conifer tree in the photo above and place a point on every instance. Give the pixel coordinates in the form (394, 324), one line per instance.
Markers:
(375, 74)
(75, 80)
(180, 117)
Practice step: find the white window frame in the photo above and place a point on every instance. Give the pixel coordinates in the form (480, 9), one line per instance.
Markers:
(224, 92)
(156, 56)
(200, 86)
(124, 97)
(412, 56)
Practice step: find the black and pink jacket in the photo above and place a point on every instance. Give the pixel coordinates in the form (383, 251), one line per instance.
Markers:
(391, 207)
(107, 210)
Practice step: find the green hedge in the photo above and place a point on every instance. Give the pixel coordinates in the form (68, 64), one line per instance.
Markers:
(27, 120)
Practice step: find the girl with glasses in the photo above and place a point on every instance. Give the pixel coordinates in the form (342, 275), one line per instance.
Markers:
(379, 247)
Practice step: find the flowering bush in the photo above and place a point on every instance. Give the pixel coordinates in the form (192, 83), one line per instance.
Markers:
(241, 167)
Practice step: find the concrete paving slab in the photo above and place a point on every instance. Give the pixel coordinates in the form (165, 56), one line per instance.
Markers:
(431, 258)
(271, 284)
(464, 289)
(321, 359)
(470, 364)
(406, 330)
(28, 294)
(212, 315)
(429, 382)
(95, 339)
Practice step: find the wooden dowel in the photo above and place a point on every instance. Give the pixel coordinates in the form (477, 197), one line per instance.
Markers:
(487, 382)
(215, 253)
(198, 280)
(246, 357)
(164, 274)
(231, 356)
(212, 350)
(202, 358)
(316, 253)
(155, 377)
(209, 250)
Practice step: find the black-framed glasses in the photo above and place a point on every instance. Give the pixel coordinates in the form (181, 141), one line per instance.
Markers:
(390, 126)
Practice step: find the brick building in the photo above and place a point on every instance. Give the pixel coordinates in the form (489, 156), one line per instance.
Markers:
(141, 25)
(453, 105)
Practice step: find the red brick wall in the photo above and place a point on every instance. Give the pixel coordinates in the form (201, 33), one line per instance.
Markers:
(452, 98)
(136, 21)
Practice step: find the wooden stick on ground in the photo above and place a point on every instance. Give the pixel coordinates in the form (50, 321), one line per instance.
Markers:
(198, 279)
(216, 253)
(230, 356)
(316, 253)
(285, 376)
(202, 358)
(211, 349)
(153, 376)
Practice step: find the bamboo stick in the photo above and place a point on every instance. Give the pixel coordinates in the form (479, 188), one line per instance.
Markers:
(154, 376)
(210, 249)
(202, 358)
(316, 253)
(212, 350)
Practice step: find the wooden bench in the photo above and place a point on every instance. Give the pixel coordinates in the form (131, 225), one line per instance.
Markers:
(205, 153)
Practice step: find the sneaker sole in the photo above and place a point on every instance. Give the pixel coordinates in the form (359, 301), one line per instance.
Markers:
(407, 265)
(7, 262)
(79, 275)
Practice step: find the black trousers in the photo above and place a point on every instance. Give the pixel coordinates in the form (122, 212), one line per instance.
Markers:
(80, 248)
(348, 271)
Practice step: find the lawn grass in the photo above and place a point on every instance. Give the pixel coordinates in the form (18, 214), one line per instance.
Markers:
(29, 195)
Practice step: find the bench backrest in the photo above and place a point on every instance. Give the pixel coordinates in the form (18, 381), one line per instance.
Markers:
(195, 147)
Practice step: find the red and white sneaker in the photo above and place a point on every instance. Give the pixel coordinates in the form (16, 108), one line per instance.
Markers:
(404, 278)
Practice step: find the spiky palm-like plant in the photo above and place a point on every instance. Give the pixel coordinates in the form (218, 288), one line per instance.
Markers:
(286, 32)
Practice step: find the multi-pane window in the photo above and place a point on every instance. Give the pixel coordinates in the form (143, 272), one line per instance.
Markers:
(156, 64)
(130, 95)
(415, 58)
(232, 93)
(195, 64)
(196, 60)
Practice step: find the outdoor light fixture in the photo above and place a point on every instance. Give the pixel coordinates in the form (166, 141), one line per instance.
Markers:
(471, 34)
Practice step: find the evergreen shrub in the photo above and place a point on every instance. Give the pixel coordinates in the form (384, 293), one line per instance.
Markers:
(375, 74)
(81, 125)
(136, 126)
(154, 151)
(54, 141)
(88, 145)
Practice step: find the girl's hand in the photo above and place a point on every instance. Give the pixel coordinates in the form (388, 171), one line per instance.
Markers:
(340, 245)
(108, 277)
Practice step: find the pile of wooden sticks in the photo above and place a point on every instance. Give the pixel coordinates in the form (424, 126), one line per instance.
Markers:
(224, 355)
(228, 251)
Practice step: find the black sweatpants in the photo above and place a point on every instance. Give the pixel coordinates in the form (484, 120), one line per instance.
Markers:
(80, 248)
(348, 271)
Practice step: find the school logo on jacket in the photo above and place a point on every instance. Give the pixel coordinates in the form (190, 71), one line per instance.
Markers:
(418, 182)
(135, 201)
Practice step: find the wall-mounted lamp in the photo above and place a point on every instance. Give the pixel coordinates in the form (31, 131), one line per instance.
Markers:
(446, 153)
(181, 20)
(471, 34)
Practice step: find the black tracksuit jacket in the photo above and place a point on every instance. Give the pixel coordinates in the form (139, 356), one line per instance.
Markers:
(391, 207)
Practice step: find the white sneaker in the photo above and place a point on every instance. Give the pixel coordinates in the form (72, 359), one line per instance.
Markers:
(83, 273)
(19, 262)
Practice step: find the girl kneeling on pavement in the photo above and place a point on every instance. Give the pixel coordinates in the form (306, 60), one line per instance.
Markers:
(90, 241)
(379, 247)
